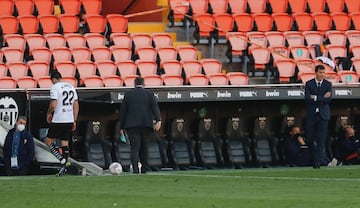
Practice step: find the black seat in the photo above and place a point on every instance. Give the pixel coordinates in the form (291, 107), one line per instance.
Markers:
(263, 143)
(208, 146)
(181, 147)
(122, 150)
(237, 145)
(97, 148)
(286, 124)
(332, 141)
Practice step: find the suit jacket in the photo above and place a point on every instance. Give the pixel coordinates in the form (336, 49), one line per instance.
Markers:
(138, 109)
(26, 149)
(321, 103)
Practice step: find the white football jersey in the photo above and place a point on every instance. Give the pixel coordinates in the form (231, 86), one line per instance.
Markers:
(65, 94)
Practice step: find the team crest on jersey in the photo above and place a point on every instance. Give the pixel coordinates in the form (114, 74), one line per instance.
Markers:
(9, 110)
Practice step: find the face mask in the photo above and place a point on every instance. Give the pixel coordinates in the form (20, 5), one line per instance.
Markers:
(21, 127)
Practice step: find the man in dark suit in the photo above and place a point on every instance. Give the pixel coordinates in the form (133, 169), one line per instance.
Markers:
(138, 111)
(317, 97)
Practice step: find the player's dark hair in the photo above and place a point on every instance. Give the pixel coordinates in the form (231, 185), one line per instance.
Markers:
(139, 81)
(55, 75)
(319, 67)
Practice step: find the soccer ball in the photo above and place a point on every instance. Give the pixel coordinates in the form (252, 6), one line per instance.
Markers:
(115, 168)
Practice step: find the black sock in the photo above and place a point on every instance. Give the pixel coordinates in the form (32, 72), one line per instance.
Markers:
(65, 152)
(54, 150)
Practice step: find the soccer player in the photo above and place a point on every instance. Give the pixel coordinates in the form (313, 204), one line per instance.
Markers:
(62, 115)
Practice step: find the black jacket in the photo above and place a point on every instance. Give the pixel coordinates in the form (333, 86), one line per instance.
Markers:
(26, 149)
(138, 109)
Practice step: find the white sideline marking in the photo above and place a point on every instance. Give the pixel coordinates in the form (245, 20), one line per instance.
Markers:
(259, 177)
(7, 178)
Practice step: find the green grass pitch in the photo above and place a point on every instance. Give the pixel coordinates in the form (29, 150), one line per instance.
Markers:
(263, 187)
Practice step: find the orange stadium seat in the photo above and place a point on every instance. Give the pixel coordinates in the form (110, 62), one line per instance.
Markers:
(141, 40)
(81, 54)
(294, 38)
(120, 54)
(336, 37)
(7, 83)
(7, 7)
(341, 21)
(224, 23)
(3, 70)
(93, 81)
(167, 53)
(199, 6)
(355, 50)
(106, 68)
(69, 23)
(300, 52)
(85, 69)
(355, 19)
(323, 21)
(218, 6)
(35, 41)
(237, 6)
(205, 26)
(332, 76)
(198, 80)
(187, 52)
(335, 5)
(15, 41)
(129, 80)
(286, 69)
(44, 82)
(113, 81)
(316, 5)
(172, 80)
(275, 38)
(121, 40)
(147, 53)
(162, 40)
(211, 66)
(95, 23)
(9, 24)
(348, 76)
(257, 6)
(61, 54)
(26, 82)
(127, 68)
(237, 78)
(91, 7)
(44, 7)
(191, 67)
(353, 36)
(335, 51)
(305, 66)
(256, 39)
(70, 6)
(304, 21)
(306, 76)
(218, 79)
(146, 67)
(29, 24)
(55, 40)
(177, 10)
(24, 7)
(49, 23)
(263, 21)
(101, 53)
(117, 23)
(261, 57)
(352, 5)
(71, 80)
(313, 38)
(38, 69)
(42, 54)
(153, 80)
(278, 6)
(356, 65)
(75, 40)
(243, 22)
(66, 68)
(172, 67)
(279, 53)
(95, 40)
(283, 21)
(12, 54)
(237, 44)
(297, 6)
(18, 69)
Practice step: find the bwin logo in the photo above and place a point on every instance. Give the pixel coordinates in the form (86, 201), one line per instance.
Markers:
(272, 93)
(9, 110)
(120, 96)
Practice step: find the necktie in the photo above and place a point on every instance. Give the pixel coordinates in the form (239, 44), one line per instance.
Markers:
(318, 84)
